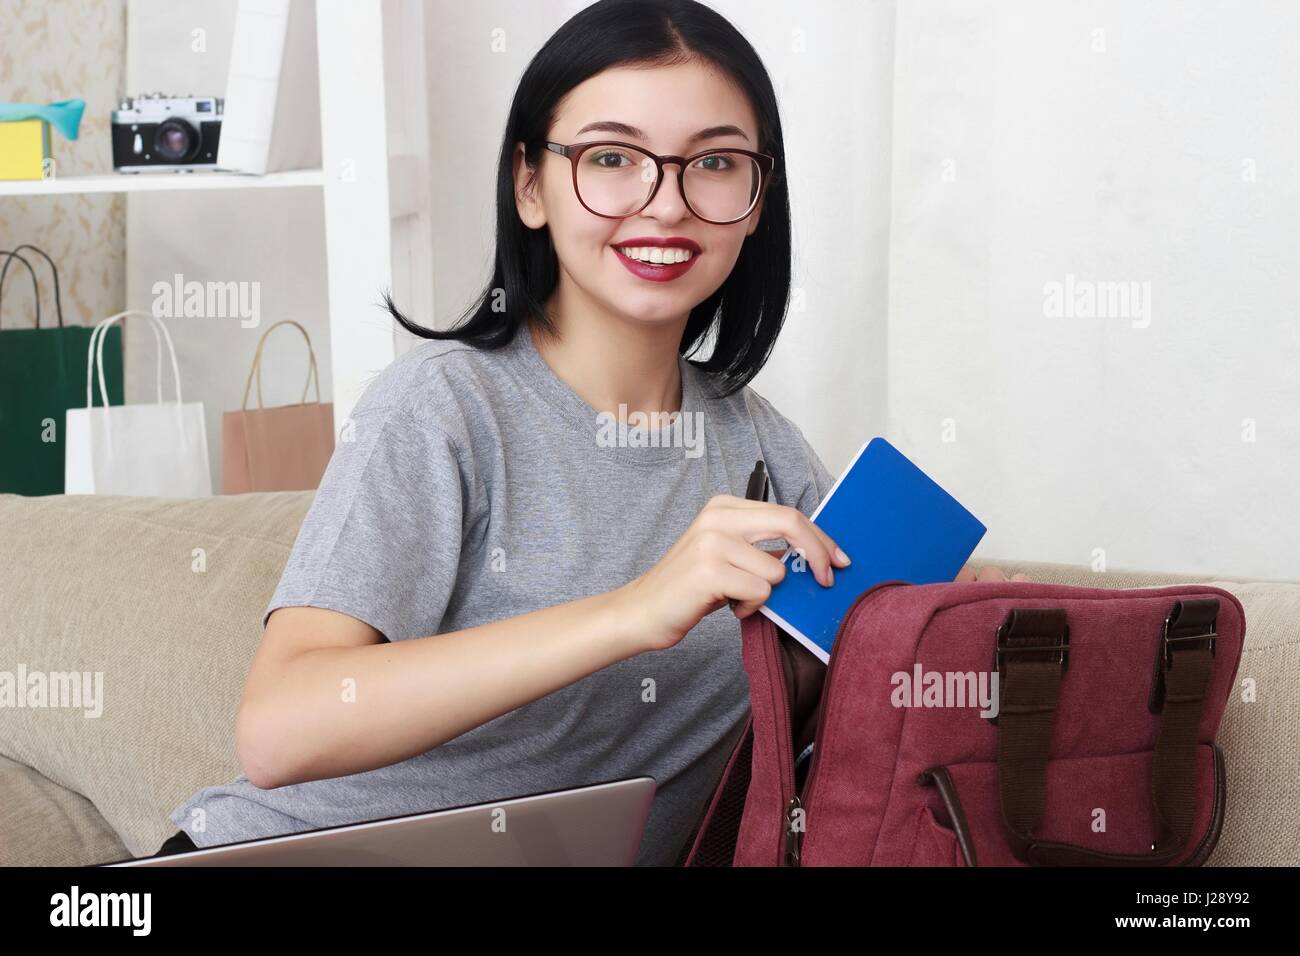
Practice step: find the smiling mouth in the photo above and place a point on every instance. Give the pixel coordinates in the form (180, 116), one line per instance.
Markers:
(656, 255)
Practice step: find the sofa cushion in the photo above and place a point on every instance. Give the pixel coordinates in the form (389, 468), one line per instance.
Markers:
(163, 598)
(1258, 733)
(43, 824)
(1082, 576)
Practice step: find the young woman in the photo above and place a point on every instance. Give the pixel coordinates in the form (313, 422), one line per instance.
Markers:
(494, 592)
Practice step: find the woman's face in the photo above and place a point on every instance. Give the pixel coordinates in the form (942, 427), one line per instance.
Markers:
(660, 109)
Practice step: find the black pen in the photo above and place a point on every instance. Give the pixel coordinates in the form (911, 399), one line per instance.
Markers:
(756, 490)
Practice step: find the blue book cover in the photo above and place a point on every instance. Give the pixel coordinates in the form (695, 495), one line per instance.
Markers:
(894, 522)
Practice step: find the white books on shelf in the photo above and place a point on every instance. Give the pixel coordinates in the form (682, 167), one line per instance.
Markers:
(272, 109)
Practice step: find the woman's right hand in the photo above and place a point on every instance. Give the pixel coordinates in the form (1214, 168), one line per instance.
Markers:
(716, 561)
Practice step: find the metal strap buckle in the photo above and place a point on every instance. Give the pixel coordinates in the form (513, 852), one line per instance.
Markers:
(1168, 644)
(1061, 645)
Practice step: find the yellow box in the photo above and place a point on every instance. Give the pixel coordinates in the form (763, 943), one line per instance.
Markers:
(24, 147)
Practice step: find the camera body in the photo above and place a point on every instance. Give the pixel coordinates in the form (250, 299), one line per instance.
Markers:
(159, 133)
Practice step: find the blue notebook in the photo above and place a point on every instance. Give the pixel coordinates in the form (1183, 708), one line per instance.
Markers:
(894, 522)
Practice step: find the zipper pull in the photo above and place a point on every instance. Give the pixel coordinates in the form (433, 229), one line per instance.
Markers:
(794, 829)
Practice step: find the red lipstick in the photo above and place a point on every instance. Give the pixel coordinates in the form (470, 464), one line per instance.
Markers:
(653, 272)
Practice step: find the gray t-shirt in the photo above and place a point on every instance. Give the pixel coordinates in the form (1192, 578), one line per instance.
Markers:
(471, 486)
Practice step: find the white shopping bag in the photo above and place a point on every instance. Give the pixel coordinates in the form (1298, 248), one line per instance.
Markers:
(159, 449)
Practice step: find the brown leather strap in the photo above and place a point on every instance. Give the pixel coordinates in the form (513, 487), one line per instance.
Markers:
(1184, 667)
(1031, 659)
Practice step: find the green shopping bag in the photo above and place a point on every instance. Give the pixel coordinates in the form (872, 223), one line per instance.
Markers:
(42, 374)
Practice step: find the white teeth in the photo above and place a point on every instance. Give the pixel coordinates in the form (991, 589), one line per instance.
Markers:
(659, 255)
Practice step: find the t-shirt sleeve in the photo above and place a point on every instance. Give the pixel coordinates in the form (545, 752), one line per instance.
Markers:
(819, 480)
(382, 539)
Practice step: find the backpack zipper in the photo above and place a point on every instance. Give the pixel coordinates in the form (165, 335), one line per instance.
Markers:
(793, 837)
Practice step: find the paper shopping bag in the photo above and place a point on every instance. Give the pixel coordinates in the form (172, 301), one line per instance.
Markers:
(285, 448)
(158, 449)
(41, 375)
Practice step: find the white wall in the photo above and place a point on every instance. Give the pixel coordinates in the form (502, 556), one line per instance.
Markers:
(1161, 151)
(832, 64)
(469, 92)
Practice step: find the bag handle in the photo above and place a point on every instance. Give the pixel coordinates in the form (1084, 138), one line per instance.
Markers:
(1031, 658)
(95, 354)
(54, 271)
(10, 256)
(96, 348)
(313, 374)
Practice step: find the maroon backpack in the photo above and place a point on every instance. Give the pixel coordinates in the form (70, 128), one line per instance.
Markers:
(1101, 750)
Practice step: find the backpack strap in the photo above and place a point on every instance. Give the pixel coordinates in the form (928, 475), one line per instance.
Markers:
(1031, 659)
(1032, 653)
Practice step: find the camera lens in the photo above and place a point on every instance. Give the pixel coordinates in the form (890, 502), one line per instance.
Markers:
(176, 140)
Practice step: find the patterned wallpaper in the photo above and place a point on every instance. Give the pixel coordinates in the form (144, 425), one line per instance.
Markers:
(60, 50)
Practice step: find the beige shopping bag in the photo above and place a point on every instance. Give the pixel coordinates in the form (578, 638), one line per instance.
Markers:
(285, 448)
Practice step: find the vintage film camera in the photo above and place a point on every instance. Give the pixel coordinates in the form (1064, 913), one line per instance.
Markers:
(158, 133)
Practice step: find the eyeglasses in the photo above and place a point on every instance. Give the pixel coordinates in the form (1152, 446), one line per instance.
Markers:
(616, 180)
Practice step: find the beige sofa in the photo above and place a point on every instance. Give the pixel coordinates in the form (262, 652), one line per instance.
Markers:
(164, 597)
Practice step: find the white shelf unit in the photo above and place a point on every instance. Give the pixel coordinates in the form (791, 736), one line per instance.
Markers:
(378, 224)
(374, 166)
(158, 182)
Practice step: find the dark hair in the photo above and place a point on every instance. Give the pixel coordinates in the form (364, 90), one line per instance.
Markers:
(744, 316)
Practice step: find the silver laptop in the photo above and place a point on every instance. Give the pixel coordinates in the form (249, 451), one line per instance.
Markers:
(598, 825)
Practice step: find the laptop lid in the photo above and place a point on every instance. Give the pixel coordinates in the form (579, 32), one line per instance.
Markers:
(596, 825)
